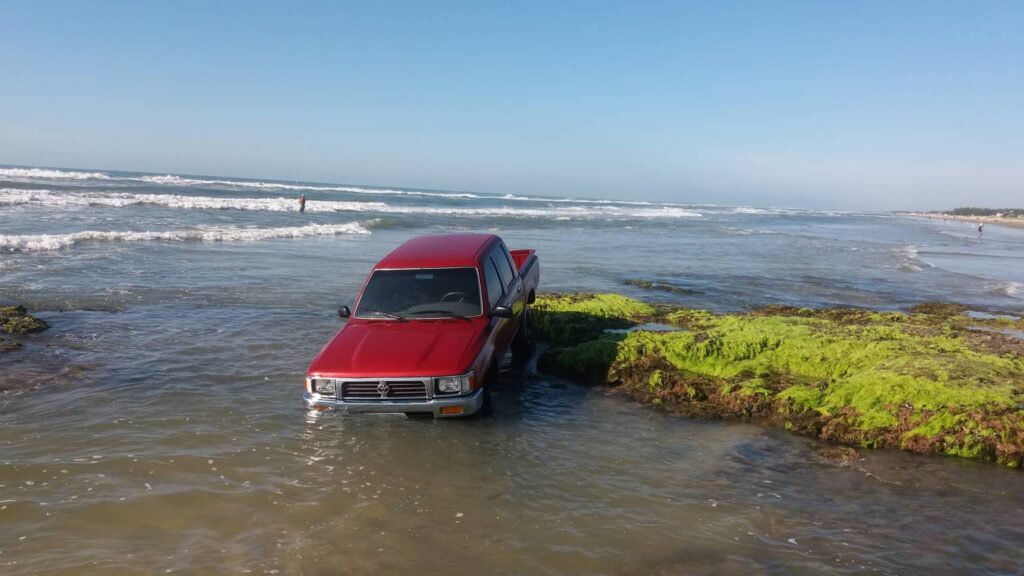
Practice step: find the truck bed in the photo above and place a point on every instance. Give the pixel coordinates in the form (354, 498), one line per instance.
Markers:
(522, 258)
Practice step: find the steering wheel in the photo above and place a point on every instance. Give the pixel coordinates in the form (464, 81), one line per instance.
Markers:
(451, 297)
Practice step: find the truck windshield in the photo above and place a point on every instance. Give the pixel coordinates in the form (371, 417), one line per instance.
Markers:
(421, 294)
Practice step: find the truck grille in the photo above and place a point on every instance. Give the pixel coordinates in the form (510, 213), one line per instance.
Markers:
(396, 390)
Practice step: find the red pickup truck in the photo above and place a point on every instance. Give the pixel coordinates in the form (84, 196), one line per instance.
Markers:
(432, 322)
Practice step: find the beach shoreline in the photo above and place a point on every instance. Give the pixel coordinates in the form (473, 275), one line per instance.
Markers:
(974, 220)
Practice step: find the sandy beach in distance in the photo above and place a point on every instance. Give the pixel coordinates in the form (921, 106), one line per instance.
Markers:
(1013, 222)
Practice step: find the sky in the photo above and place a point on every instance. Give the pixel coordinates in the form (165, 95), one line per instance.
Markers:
(855, 105)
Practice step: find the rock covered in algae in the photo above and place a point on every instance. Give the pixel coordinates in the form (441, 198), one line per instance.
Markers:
(15, 320)
(933, 380)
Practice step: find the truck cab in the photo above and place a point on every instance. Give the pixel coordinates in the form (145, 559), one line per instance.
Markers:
(430, 325)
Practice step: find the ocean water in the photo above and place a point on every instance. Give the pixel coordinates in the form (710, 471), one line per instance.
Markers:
(107, 239)
(158, 425)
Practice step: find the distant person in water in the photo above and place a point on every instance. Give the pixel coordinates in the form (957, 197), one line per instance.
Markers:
(981, 227)
(302, 203)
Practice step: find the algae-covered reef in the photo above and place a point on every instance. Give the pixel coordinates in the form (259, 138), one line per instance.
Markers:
(932, 380)
(16, 320)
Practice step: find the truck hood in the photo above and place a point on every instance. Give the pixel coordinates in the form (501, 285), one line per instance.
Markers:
(400, 349)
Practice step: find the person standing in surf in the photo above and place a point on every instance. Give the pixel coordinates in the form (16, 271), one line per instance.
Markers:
(302, 203)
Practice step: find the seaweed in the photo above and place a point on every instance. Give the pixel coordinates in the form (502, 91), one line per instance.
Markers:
(922, 381)
(15, 320)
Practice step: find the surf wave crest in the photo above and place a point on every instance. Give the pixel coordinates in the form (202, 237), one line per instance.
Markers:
(909, 259)
(172, 180)
(51, 174)
(13, 196)
(1008, 288)
(37, 242)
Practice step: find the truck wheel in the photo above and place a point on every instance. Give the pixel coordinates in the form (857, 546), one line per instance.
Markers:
(523, 344)
(490, 379)
(487, 409)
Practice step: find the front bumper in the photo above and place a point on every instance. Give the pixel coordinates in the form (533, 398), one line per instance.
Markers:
(470, 404)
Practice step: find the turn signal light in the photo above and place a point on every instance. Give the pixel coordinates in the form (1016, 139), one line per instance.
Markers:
(451, 410)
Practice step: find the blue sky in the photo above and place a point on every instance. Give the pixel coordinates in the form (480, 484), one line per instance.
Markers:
(866, 105)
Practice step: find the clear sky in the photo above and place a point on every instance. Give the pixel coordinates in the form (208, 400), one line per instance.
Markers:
(865, 105)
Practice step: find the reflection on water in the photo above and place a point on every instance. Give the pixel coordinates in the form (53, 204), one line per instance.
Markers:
(186, 448)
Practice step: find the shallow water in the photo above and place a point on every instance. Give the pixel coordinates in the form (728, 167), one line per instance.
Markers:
(158, 424)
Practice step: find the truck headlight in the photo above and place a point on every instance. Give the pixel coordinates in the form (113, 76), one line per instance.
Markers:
(454, 384)
(322, 386)
(449, 385)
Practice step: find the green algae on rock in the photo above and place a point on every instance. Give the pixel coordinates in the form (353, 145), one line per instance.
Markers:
(926, 381)
(568, 319)
(15, 320)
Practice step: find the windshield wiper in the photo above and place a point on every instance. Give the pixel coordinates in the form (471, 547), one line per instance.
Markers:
(447, 313)
(383, 313)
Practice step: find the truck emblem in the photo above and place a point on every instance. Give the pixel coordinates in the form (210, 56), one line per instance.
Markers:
(383, 388)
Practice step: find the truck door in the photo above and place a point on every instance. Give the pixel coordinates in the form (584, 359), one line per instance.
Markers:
(513, 284)
(501, 328)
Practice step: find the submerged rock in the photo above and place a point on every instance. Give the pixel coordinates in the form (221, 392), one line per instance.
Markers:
(659, 286)
(924, 381)
(841, 455)
(15, 320)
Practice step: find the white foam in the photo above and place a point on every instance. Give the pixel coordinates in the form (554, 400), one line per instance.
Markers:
(581, 201)
(36, 242)
(908, 251)
(40, 173)
(263, 185)
(172, 180)
(281, 204)
(752, 210)
(1008, 288)
(168, 179)
(910, 262)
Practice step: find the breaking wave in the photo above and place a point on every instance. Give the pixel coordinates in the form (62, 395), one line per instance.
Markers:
(908, 251)
(583, 201)
(752, 210)
(262, 185)
(36, 242)
(51, 174)
(909, 260)
(171, 180)
(122, 199)
(1008, 288)
(182, 181)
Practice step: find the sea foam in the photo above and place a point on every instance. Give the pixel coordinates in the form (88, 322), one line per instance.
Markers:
(36, 242)
(171, 180)
(1008, 288)
(14, 196)
(42, 173)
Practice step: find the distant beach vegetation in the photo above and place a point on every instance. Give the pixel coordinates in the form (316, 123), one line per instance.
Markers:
(999, 212)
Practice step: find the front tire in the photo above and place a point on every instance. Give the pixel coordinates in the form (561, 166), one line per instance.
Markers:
(487, 409)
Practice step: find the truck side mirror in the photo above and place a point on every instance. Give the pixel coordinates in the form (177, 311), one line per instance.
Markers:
(502, 312)
(344, 312)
